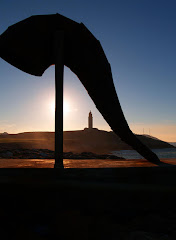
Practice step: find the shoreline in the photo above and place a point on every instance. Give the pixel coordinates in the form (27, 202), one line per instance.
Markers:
(85, 163)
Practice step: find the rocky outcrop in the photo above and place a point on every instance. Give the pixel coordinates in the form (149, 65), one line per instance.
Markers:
(49, 154)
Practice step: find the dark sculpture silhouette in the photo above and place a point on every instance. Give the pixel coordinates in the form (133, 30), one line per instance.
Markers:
(28, 45)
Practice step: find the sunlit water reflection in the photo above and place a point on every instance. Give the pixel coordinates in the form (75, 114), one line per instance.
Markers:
(133, 159)
(81, 163)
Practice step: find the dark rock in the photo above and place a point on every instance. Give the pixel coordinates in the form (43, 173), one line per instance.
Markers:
(7, 154)
(48, 154)
(44, 155)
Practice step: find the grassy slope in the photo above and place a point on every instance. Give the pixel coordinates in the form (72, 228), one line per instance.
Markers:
(75, 141)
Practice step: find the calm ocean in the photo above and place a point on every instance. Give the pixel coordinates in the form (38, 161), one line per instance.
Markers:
(132, 154)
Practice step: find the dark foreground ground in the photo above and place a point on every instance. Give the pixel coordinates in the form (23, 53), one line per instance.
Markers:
(106, 203)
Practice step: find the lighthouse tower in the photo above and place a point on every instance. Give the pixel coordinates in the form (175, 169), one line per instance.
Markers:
(90, 121)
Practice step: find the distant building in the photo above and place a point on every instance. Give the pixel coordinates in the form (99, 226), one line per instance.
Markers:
(90, 121)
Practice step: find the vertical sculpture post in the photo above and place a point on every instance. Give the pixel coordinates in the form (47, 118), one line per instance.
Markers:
(59, 79)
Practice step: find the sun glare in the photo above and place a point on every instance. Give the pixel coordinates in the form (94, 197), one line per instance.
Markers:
(52, 107)
(66, 107)
(65, 110)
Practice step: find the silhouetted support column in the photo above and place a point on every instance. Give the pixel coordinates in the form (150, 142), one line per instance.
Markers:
(59, 79)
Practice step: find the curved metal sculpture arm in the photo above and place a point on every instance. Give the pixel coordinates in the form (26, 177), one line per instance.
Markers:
(28, 45)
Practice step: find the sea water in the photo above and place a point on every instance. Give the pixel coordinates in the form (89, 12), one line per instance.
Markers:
(132, 154)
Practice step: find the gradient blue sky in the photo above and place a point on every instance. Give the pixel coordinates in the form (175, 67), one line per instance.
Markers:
(139, 40)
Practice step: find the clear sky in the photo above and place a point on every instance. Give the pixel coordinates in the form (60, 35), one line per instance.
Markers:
(139, 40)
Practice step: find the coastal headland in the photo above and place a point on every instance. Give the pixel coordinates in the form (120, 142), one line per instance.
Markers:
(88, 140)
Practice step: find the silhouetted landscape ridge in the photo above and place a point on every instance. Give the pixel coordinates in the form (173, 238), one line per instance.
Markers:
(88, 140)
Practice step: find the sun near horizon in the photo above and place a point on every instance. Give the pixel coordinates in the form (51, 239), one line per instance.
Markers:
(66, 107)
(71, 114)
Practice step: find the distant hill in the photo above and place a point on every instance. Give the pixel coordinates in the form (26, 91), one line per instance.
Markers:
(173, 143)
(149, 136)
(88, 140)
